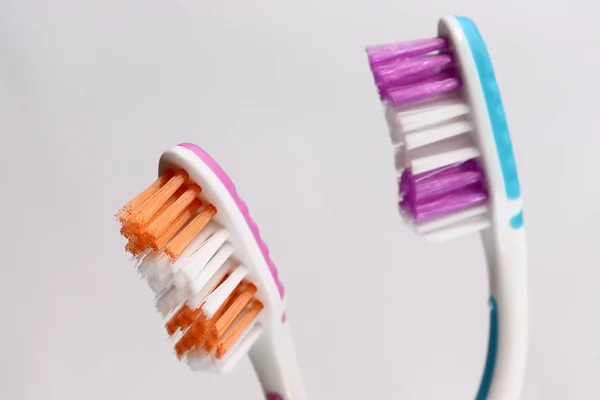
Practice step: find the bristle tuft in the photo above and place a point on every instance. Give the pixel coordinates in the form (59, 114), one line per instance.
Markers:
(171, 214)
(407, 73)
(238, 329)
(233, 311)
(158, 199)
(141, 198)
(388, 53)
(188, 263)
(430, 126)
(158, 214)
(176, 245)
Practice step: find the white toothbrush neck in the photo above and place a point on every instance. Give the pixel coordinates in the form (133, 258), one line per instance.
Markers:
(274, 359)
(507, 269)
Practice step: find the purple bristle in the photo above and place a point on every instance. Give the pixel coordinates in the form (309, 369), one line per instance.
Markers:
(407, 73)
(440, 180)
(385, 53)
(407, 95)
(448, 204)
(443, 191)
(410, 71)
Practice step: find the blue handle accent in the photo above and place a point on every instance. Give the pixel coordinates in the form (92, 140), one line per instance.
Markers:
(494, 105)
(517, 221)
(490, 363)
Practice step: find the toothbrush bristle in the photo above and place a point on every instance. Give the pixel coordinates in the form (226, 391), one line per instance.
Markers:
(386, 53)
(441, 180)
(228, 340)
(182, 239)
(442, 191)
(407, 73)
(205, 294)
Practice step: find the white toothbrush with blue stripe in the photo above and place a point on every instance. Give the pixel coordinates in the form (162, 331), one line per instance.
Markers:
(458, 174)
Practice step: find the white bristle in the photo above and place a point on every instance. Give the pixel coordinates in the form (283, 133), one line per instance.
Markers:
(199, 360)
(164, 303)
(195, 301)
(475, 224)
(170, 299)
(198, 298)
(179, 279)
(447, 152)
(241, 348)
(217, 298)
(203, 277)
(163, 273)
(436, 133)
(160, 272)
(451, 219)
(201, 257)
(425, 164)
(158, 284)
(160, 279)
(396, 135)
(429, 104)
(431, 113)
(152, 263)
(192, 248)
(155, 286)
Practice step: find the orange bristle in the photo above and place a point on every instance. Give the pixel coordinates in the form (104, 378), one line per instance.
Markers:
(129, 230)
(165, 219)
(190, 339)
(229, 308)
(233, 312)
(172, 229)
(137, 237)
(176, 245)
(164, 208)
(158, 199)
(183, 318)
(135, 209)
(172, 324)
(142, 231)
(196, 335)
(138, 200)
(193, 337)
(238, 329)
(133, 248)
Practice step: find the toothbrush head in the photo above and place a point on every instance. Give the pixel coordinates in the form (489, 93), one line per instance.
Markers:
(447, 124)
(201, 253)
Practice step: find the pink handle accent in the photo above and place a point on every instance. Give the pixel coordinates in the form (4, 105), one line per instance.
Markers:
(218, 171)
(274, 396)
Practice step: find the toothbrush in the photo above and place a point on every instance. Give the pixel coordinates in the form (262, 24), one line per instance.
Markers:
(201, 253)
(458, 174)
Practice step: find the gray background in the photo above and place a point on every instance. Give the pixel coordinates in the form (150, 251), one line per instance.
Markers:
(279, 92)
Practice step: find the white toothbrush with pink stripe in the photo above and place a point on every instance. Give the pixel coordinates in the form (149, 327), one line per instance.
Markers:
(221, 295)
(457, 173)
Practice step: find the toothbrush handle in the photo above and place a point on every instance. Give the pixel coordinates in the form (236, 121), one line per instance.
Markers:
(507, 350)
(274, 359)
